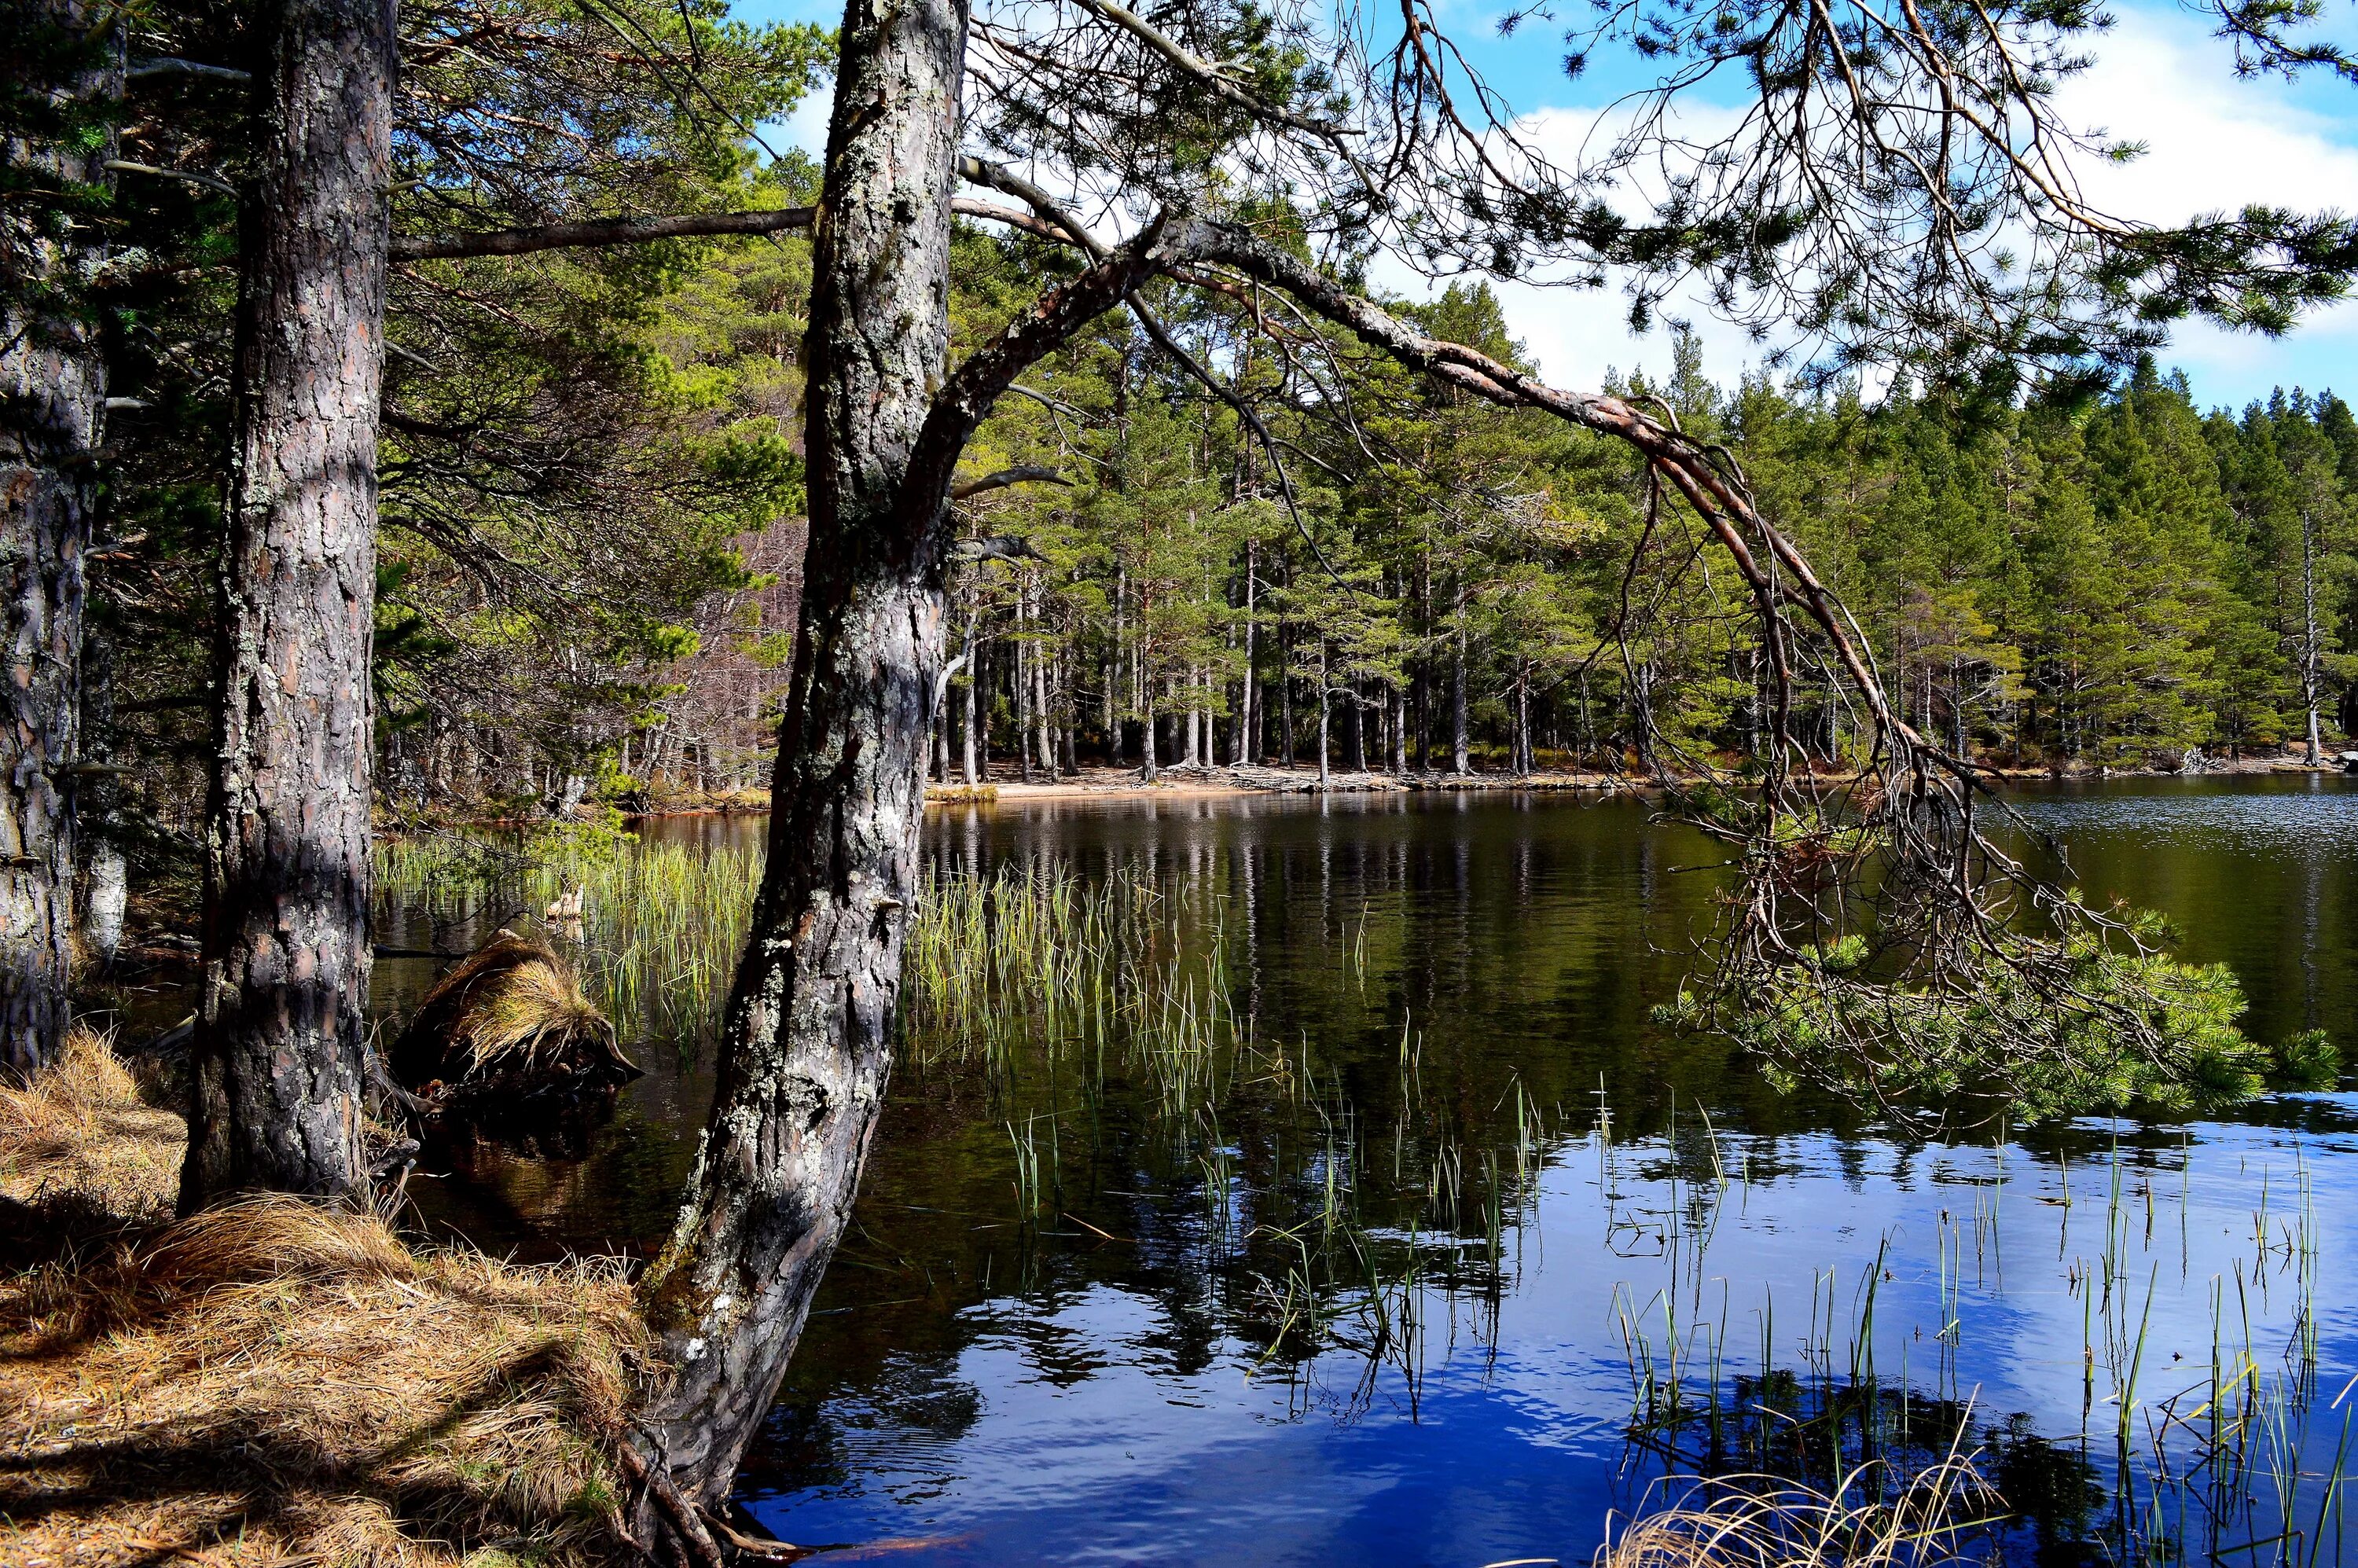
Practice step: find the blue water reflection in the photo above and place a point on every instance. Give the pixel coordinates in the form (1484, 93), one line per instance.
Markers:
(1101, 1384)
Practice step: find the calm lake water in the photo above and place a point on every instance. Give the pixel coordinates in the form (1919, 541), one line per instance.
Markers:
(1441, 1252)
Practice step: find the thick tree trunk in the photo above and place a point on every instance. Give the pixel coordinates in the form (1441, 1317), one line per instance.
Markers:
(282, 1035)
(807, 1042)
(52, 401)
(104, 889)
(808, 1039)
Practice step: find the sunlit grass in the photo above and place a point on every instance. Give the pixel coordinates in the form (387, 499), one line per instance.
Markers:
(662, 925)
(1030, 963)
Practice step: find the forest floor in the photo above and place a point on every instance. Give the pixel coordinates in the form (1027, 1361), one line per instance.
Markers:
(275, 1382)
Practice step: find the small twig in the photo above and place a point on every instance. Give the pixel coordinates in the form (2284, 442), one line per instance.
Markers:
(124, 166)
(173, 65)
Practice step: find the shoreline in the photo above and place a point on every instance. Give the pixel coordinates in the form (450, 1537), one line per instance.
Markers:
(1229, 783)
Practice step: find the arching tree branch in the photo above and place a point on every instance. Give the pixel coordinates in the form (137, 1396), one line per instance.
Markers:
(1061, 312)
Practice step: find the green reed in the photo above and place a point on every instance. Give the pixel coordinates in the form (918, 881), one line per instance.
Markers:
(2236, 1468)
(1032, 969)
(662, 925)
(1004, 968)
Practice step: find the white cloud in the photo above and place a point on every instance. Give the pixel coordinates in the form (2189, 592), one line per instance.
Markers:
(2214, 143)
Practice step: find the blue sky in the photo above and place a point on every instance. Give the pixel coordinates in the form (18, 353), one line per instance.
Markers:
(2215, 143)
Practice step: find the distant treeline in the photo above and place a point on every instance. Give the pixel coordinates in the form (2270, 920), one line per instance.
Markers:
(2118, 582)
(1402, 579)
(1370, 565)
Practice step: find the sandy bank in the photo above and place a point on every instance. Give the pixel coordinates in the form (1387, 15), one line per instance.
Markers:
(1181, 784)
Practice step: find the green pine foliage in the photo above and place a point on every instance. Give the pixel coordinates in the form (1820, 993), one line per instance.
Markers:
(2088, 1024)
(2117, 582)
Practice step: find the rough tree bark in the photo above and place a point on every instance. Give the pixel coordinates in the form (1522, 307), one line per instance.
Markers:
(806, 1044)
(281, 1041)
(52, 403)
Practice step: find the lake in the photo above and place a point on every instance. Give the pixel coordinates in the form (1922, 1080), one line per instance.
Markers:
(1369, 1217)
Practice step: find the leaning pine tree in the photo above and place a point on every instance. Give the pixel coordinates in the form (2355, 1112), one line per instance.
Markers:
(1901, 189)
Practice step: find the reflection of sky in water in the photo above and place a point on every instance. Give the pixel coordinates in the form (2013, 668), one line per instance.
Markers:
(2304, 816)
(1083, 1441)
(989, 1393)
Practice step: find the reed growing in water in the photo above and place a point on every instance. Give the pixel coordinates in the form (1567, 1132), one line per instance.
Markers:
(1033, 957)
(661, 929)
(1029, 957)
(1871, 1518)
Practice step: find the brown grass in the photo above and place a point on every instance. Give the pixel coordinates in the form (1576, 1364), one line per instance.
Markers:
(78, 1149)
(279, 1383)
(1928, 1520)
(513, 1008)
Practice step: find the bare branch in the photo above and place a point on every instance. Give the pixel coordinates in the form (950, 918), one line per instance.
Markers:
(1064, 311)
(1220, 80)
(172, 65)
(998, 548)
(189, 176)
(1022, 473)
(595, 233)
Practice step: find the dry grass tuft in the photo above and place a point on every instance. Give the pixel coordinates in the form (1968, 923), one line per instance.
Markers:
(80, 1150)
(511, 1010)
(275, 1382)
(1765, 1521)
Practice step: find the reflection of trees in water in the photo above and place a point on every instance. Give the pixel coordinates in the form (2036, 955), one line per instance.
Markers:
(1427, 1006)
(918, 1406)
(566, 1175)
